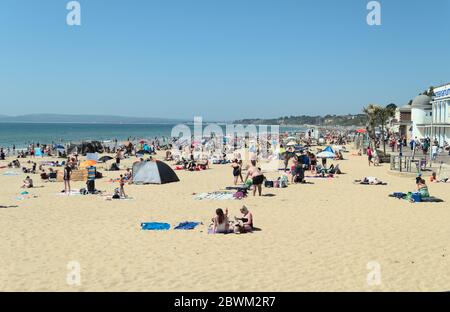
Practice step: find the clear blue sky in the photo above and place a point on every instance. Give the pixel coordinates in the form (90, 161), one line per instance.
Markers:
(221, 59)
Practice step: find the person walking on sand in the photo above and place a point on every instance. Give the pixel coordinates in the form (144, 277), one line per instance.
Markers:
(257, 177)
(67, 176)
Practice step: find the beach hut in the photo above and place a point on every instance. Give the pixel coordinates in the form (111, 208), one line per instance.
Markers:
(153, 172)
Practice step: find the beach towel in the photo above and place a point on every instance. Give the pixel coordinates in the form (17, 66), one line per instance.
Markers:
(215, 196)
(210, 231)
(10, 173)
(186, 226)
(72, 192)
(430, 199)
(155, 226)
(319, 177)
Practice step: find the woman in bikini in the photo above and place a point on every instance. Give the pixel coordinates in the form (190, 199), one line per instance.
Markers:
(247, 221)
(237, 171)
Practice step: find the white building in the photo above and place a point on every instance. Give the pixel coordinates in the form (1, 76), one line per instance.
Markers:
(440, 124)
(421, 117)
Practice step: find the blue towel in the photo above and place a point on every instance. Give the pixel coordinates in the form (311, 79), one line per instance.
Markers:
(155, 226)
(186, 225)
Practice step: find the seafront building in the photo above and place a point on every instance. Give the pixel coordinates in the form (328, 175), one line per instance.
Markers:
(425, 117)
(440, 125)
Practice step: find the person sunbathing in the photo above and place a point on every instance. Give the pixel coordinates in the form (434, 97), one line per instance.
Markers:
(220, 222)
(370, 181)
(422, 188)
(245, 223)
(27, 183)
(169, 156)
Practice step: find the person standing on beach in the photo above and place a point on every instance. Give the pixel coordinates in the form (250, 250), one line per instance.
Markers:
(237, 171)
(122, 184)
(257, 176)
(67, 175)
(369, 155)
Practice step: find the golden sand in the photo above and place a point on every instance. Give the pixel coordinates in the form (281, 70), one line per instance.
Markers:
(314, 237)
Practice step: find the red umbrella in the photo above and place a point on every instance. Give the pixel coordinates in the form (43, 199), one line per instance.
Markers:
(142, 141)
(361, 130)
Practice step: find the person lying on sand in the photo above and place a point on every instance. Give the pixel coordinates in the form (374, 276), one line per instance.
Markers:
(433, 178)
(369, 180)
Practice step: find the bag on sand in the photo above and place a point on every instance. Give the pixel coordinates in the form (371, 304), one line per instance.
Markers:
(268, 184)
(239, 195)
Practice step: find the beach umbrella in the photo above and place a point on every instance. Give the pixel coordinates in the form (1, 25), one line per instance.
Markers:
(361, 131)
(105, 159)
(326, 154)
(88, 163)
(143, 152)
(291, 144)
(328, 149)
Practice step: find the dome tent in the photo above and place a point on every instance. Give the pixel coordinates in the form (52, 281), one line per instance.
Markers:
(153, 172)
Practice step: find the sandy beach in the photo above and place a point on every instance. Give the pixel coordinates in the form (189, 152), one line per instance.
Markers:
(314, 237)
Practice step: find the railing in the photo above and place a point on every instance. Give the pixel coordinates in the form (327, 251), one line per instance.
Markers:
(409, 163)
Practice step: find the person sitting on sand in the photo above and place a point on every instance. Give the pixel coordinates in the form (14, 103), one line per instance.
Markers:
(422, 188)
(220, 222)
(247, 221)
(433, 177)
(27, 183)
(44, 175)
(169, 156)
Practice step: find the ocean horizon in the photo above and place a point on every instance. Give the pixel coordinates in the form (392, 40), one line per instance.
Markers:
(21, 134)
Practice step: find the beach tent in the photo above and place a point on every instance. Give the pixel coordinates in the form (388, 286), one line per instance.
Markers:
(86, 147)
(105, 158)
(153, 172)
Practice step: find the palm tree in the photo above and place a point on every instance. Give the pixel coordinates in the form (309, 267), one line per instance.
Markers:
(382, 116)
(371, 114)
